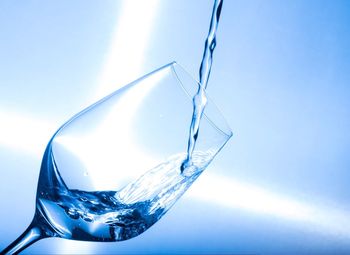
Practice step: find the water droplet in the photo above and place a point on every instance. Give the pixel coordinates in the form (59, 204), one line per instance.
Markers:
(87, 217)
(83, 199)
(73, 213)
(94, 202)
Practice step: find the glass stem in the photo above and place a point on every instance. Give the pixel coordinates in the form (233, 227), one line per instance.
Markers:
(30, 236)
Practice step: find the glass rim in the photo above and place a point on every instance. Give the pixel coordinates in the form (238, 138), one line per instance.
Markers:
(223, 127)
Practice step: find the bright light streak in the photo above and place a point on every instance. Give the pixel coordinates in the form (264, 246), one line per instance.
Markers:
(25, 133)
(126, 53)
(230, 193)
(131, 38)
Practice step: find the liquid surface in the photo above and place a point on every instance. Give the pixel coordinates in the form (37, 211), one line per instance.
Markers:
(111, 215)
(200, 99)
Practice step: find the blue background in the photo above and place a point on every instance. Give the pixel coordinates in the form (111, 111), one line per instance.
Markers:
(280, 76)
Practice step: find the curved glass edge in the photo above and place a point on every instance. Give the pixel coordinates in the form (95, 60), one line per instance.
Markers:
(221, 125)
(220, 122)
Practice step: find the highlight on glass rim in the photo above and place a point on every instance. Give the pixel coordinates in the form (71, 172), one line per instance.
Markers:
(76, 199)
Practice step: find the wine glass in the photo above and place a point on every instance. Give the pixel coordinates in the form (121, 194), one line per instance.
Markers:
(113, 170)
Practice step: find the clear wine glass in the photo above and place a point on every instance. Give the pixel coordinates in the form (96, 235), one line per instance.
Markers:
(113, 170)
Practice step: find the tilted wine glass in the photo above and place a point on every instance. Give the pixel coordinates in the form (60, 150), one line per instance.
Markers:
(113, 170)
